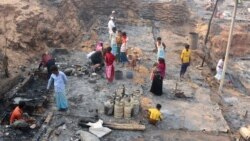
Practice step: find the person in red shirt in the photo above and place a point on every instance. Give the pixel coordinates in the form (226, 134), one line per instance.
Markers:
(17, 113)
(47, 61)
(110, 69)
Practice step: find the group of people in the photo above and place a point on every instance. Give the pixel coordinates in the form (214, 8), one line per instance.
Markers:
(159, 69)
(100, 56)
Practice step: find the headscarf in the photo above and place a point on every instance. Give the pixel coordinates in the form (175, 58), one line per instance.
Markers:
(99, 46)
(161, 67)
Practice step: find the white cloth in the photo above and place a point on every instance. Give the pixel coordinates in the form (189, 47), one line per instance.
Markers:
(219, 69)
(90, 54)
(111, 24)
(113, 38)
(60, 81)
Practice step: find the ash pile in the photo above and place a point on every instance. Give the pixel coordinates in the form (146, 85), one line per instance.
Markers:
(123, 104)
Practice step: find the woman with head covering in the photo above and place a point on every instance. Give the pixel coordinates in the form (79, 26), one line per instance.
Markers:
(110, 69)
(158, 74)
(99, 46)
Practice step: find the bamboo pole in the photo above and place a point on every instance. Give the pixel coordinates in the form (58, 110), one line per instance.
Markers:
(208, 31)
(228, 47)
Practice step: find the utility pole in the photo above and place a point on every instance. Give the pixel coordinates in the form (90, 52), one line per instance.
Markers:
(228, 47)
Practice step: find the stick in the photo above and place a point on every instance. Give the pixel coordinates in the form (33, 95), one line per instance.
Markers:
(49, 117)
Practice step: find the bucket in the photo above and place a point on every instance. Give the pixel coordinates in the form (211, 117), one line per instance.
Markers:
(129, 75)
(118, 75)
(193, 40)
(118, 109)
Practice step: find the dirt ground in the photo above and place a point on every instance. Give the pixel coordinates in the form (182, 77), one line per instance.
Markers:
(77, 25)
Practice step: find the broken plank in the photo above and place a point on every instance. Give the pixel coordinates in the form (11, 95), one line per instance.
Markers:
(122, 126)
(48, 118)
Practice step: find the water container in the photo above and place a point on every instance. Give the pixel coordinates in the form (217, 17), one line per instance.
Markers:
(118, 75)
(118, 109)
(136, 107)
(128, 106)
(129, 75)
(109, 108)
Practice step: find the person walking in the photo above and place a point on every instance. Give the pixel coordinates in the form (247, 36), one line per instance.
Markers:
(113, 42)
(123, 54)
(160, 47)
(219, 69)
(157, 76)
(119, 44)
(111, 25)
(60, 80)
(110, 69)
(185, 60)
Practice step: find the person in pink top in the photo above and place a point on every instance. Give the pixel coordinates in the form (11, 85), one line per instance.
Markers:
(123, 51)
(99, 47)
(47, 61)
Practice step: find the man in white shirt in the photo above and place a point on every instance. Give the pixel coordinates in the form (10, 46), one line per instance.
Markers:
(111, 24)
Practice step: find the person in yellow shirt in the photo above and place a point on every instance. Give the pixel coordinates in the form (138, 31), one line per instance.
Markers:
(154, 114)
(185, 60)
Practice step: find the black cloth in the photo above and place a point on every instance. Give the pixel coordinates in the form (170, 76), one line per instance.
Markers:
(156, 87)
(184, 67)
(96, 58)
(49, 65)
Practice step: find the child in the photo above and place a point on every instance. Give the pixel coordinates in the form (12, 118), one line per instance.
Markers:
(123, 55)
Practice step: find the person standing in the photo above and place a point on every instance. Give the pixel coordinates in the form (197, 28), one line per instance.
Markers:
(47, 61)
(154, 114)
(60, 81)
(123, 54)
(110, 69)
(113, 14)
(119, 44)
(157, 76)
(113, 42)
(219, 69)
(160, 47)
(185, 60)
(111, 25)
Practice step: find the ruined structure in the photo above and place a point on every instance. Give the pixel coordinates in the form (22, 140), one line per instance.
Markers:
(68, 29)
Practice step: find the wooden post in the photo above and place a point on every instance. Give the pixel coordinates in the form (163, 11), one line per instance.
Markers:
(228, 46)
(5, 57)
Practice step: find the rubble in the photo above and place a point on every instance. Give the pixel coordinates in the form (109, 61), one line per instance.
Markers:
(86, 136)
(190, 105)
